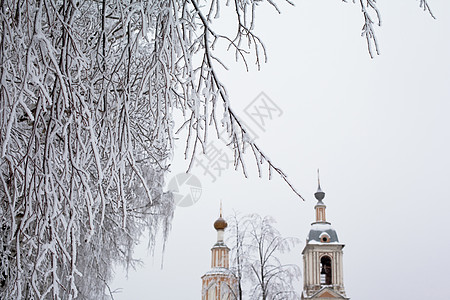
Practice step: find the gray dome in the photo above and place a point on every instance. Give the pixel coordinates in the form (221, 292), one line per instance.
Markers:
(322, 230)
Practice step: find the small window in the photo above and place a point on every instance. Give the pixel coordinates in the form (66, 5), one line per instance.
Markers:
(324, 237)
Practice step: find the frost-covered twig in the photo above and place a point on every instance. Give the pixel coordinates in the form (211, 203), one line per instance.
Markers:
(236, 131)
(424, 5)
(368, 31)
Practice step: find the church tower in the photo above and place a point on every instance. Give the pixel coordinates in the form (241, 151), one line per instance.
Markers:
(219, 283)
(322, 258)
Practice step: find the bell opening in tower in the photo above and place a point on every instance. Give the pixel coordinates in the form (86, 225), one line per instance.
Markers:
(325, 270)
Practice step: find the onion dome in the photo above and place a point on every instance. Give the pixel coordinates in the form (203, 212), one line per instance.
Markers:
(319, 194)
(220, 223)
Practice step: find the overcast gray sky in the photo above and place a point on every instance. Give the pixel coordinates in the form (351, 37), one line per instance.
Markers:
(377, 129)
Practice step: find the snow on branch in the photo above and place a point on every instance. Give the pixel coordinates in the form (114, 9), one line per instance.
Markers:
(372, 17)
(87, 94)
(209, 89)
(85, 140)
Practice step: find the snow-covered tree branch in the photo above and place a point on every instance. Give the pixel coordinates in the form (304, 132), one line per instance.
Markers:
(372, 16)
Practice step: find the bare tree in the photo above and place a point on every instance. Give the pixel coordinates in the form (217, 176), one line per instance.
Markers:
(239, 255)
(256, 249)
(87, 92)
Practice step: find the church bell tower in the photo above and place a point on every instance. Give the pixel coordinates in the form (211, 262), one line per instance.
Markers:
(219, 283)
(322, 258)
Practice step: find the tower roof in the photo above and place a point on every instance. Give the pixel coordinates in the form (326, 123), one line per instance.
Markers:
(322, 233)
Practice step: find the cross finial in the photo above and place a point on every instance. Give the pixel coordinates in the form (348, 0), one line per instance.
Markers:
(221, 208)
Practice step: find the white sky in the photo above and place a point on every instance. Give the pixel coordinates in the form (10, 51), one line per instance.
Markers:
(377, 129)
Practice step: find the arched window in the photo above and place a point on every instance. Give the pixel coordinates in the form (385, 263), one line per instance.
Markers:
(325, 270)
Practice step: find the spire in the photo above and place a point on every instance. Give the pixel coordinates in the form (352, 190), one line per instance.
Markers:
(220, 224)
(320, 206)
